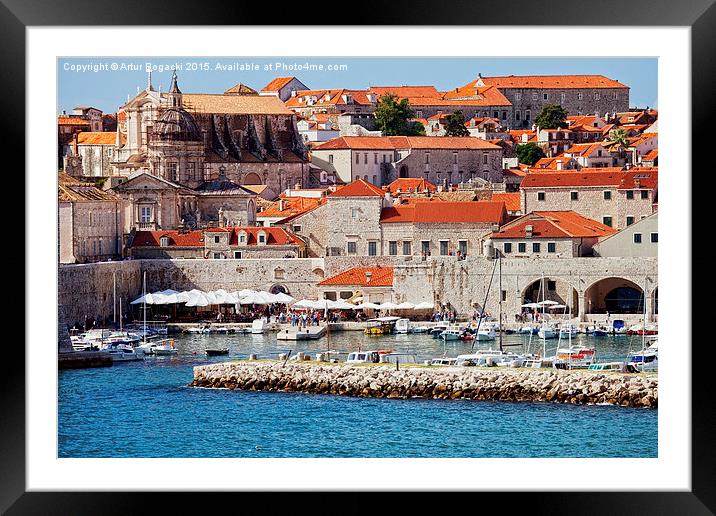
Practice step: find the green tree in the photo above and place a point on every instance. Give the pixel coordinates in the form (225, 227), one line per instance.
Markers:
(392, 117)
(456, 125)
(619, 136)
(529, 153)
(552, 116)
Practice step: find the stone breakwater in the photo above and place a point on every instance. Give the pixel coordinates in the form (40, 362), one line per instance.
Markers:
(578, 387)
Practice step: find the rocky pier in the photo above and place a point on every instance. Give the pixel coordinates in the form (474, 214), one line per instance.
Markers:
(476, 383)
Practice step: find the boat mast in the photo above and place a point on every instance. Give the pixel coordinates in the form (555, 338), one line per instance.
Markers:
(114, 297)
(120, 314)
(144, 304)
(643, 332)
(544, 335)
(482, 315)
(499, 327)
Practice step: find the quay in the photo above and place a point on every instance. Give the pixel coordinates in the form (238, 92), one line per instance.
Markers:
(308, 333)
(476, 383)
(81, 359)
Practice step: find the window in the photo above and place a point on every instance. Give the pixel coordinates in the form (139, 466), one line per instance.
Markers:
(607, 195)
(596, 95)
(357, 158)
(427, 158)
(504, 115)
(528, 115)
(562, 98)
(216, 239)
(352, 248)
(375, 157)
(637, 238)
(375, 180)
(551, 247)
(372, 248)
(164, 241)
(443, 247)
(365, 158)
(507, 247)
(616, 96)
(579, 97)
(517, 114)
(454, 157)
(330, 158)
(540, 196)
(262, 238)
(354, 213)
(630, 194)
(237, 255)
(191, 171)
(574, 196)
(462, 247)
(654, 238)
(425, 246)
(406, 248)
(545, 96)
(522, 247)
(419, 114)
(645, 194)
(534, 95)
(607, 221)
(145, 214)
(296, 228)
(217, 256)
(629, 221)
(392, 248)
(242, 238)
(484, 158)
(518, 97)
(173, 171)
(551, 285)
(535, 247)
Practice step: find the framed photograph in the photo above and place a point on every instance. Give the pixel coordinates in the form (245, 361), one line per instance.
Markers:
(395, 257)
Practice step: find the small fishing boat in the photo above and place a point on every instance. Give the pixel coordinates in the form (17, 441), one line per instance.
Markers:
(165, 347)
(122, 353)
(577, 357)
(381, 326)
(547, 332)
(486, 334)
(366, 357)
(528, 330)
(615, 367)
(451, 334)
(646, 360)
(217, 352)
(436, 331)
(402, 326)
(599, 332)
(446, 362)
(202, 329)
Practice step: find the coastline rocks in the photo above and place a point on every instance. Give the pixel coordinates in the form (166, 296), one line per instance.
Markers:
(508, 384)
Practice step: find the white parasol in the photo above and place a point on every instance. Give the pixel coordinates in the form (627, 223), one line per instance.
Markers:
(405, 306)
(425, 305)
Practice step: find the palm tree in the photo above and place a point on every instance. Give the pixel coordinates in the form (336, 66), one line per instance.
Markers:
(619, 136)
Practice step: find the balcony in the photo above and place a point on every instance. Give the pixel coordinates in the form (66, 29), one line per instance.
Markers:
(146, 226)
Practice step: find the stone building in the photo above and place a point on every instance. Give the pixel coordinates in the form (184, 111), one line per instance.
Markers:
(612, 196)
(641, 239)
(309, 102)
(528, 94)
(593, 155)
(95, 150)
(371, 284)
(549, 234)
(282, 87)
(381, 160)
(217, 243)
(90, 222)
(189, 138)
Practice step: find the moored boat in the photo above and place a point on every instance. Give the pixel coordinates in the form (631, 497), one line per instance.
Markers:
(165, 347)
(217, 352)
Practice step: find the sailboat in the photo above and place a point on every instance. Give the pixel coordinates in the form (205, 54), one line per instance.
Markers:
(145, 347)
(646, 359)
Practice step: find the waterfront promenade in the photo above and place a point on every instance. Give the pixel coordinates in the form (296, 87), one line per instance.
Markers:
(387, 381)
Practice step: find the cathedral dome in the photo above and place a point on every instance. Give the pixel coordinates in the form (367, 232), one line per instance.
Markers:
(176, 124)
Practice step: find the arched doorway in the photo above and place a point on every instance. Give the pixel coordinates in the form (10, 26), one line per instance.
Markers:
(404, 171)
(252, 179)
(279, 289)
(614, 295)
(555, 290)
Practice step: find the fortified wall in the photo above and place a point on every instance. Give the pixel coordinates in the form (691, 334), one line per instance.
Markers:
(86, 290)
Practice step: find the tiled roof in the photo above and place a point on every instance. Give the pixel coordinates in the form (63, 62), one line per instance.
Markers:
(485, 95)
(651, 155)
(96, 138)
(646, 177)
(554, 224)
(573, 178)
(72, 120)
(240, 89)
(511, 200)
(70, 189)
(406, 142)
(277, 84)
(552, 81)
(452, 212)
(358, 188)
(328, 98)
(517, 135)
(291, 206)
(379, 277)
(583, 149)
(196, 238)
(234, 104)
(406, 91)
(406, 184)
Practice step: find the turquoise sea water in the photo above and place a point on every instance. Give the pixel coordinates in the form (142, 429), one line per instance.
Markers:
(144, 409)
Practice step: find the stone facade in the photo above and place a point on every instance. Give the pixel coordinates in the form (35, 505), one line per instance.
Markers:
(625, 243)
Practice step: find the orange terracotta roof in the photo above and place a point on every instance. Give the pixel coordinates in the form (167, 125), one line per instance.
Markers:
(515, 172)
(552, 81)
(554, 224)
(358, 188)
(234, 104)
(406, 91)
(517, 135)
(406, 184)
(277, 84)
(406, 142)
(651, 155)
(291, 206)
(327, 98)
(487, 95)
(640, 178)
(583, 149)
(511, 200)
(96, 138)
(71, 120)
(585, 177)
(196, 238)
(379, 277)
(446, 211)
(487, 98)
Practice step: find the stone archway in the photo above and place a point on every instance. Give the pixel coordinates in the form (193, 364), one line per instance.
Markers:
(279, 288)
(614, 295)
(555, 289)
(252, 178)
(404, 171)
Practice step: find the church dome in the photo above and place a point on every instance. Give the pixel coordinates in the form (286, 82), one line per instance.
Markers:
(176, 124)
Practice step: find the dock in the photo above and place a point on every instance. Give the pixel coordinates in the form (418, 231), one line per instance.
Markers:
(310, 333)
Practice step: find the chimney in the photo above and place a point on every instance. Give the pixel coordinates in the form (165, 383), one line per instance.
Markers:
(281, 204)
(559, 164)
(368, 276)
(637, 183)
(528, 230)
(293, 93)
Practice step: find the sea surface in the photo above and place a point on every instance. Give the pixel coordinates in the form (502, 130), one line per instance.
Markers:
(145, 409)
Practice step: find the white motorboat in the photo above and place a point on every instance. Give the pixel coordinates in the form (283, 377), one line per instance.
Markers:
(646, 360)
(574, 357)
(486, 334)
(259, 325)
(451, 334)
(165, 347)
(442, 362)
(202, 329)
(402, 326)
(547, 332)
(366, 357)
(528, 330)
(567, 330)
(123, 352)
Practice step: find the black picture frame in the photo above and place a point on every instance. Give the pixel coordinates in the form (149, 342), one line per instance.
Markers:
(16, 15)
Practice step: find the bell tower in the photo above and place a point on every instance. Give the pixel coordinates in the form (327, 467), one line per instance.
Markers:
(174, 95)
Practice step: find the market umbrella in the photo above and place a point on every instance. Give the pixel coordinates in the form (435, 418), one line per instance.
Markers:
(267, 296)
(530, 305)
(388, 306)
(425, 305)
(342, 305)
(368, 305)
(199, 299)
(255, 298)
(405, 306)
(323, 304)
(283, 298)
(149, 299)
(553, 307)
(547, 303)
(304, 303)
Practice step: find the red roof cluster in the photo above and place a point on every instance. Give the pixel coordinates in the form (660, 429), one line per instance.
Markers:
(363, 276)
(358, 188)
(554, 224)
(597, 177)
(277, 83)
(405, 142)
(410, 185)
